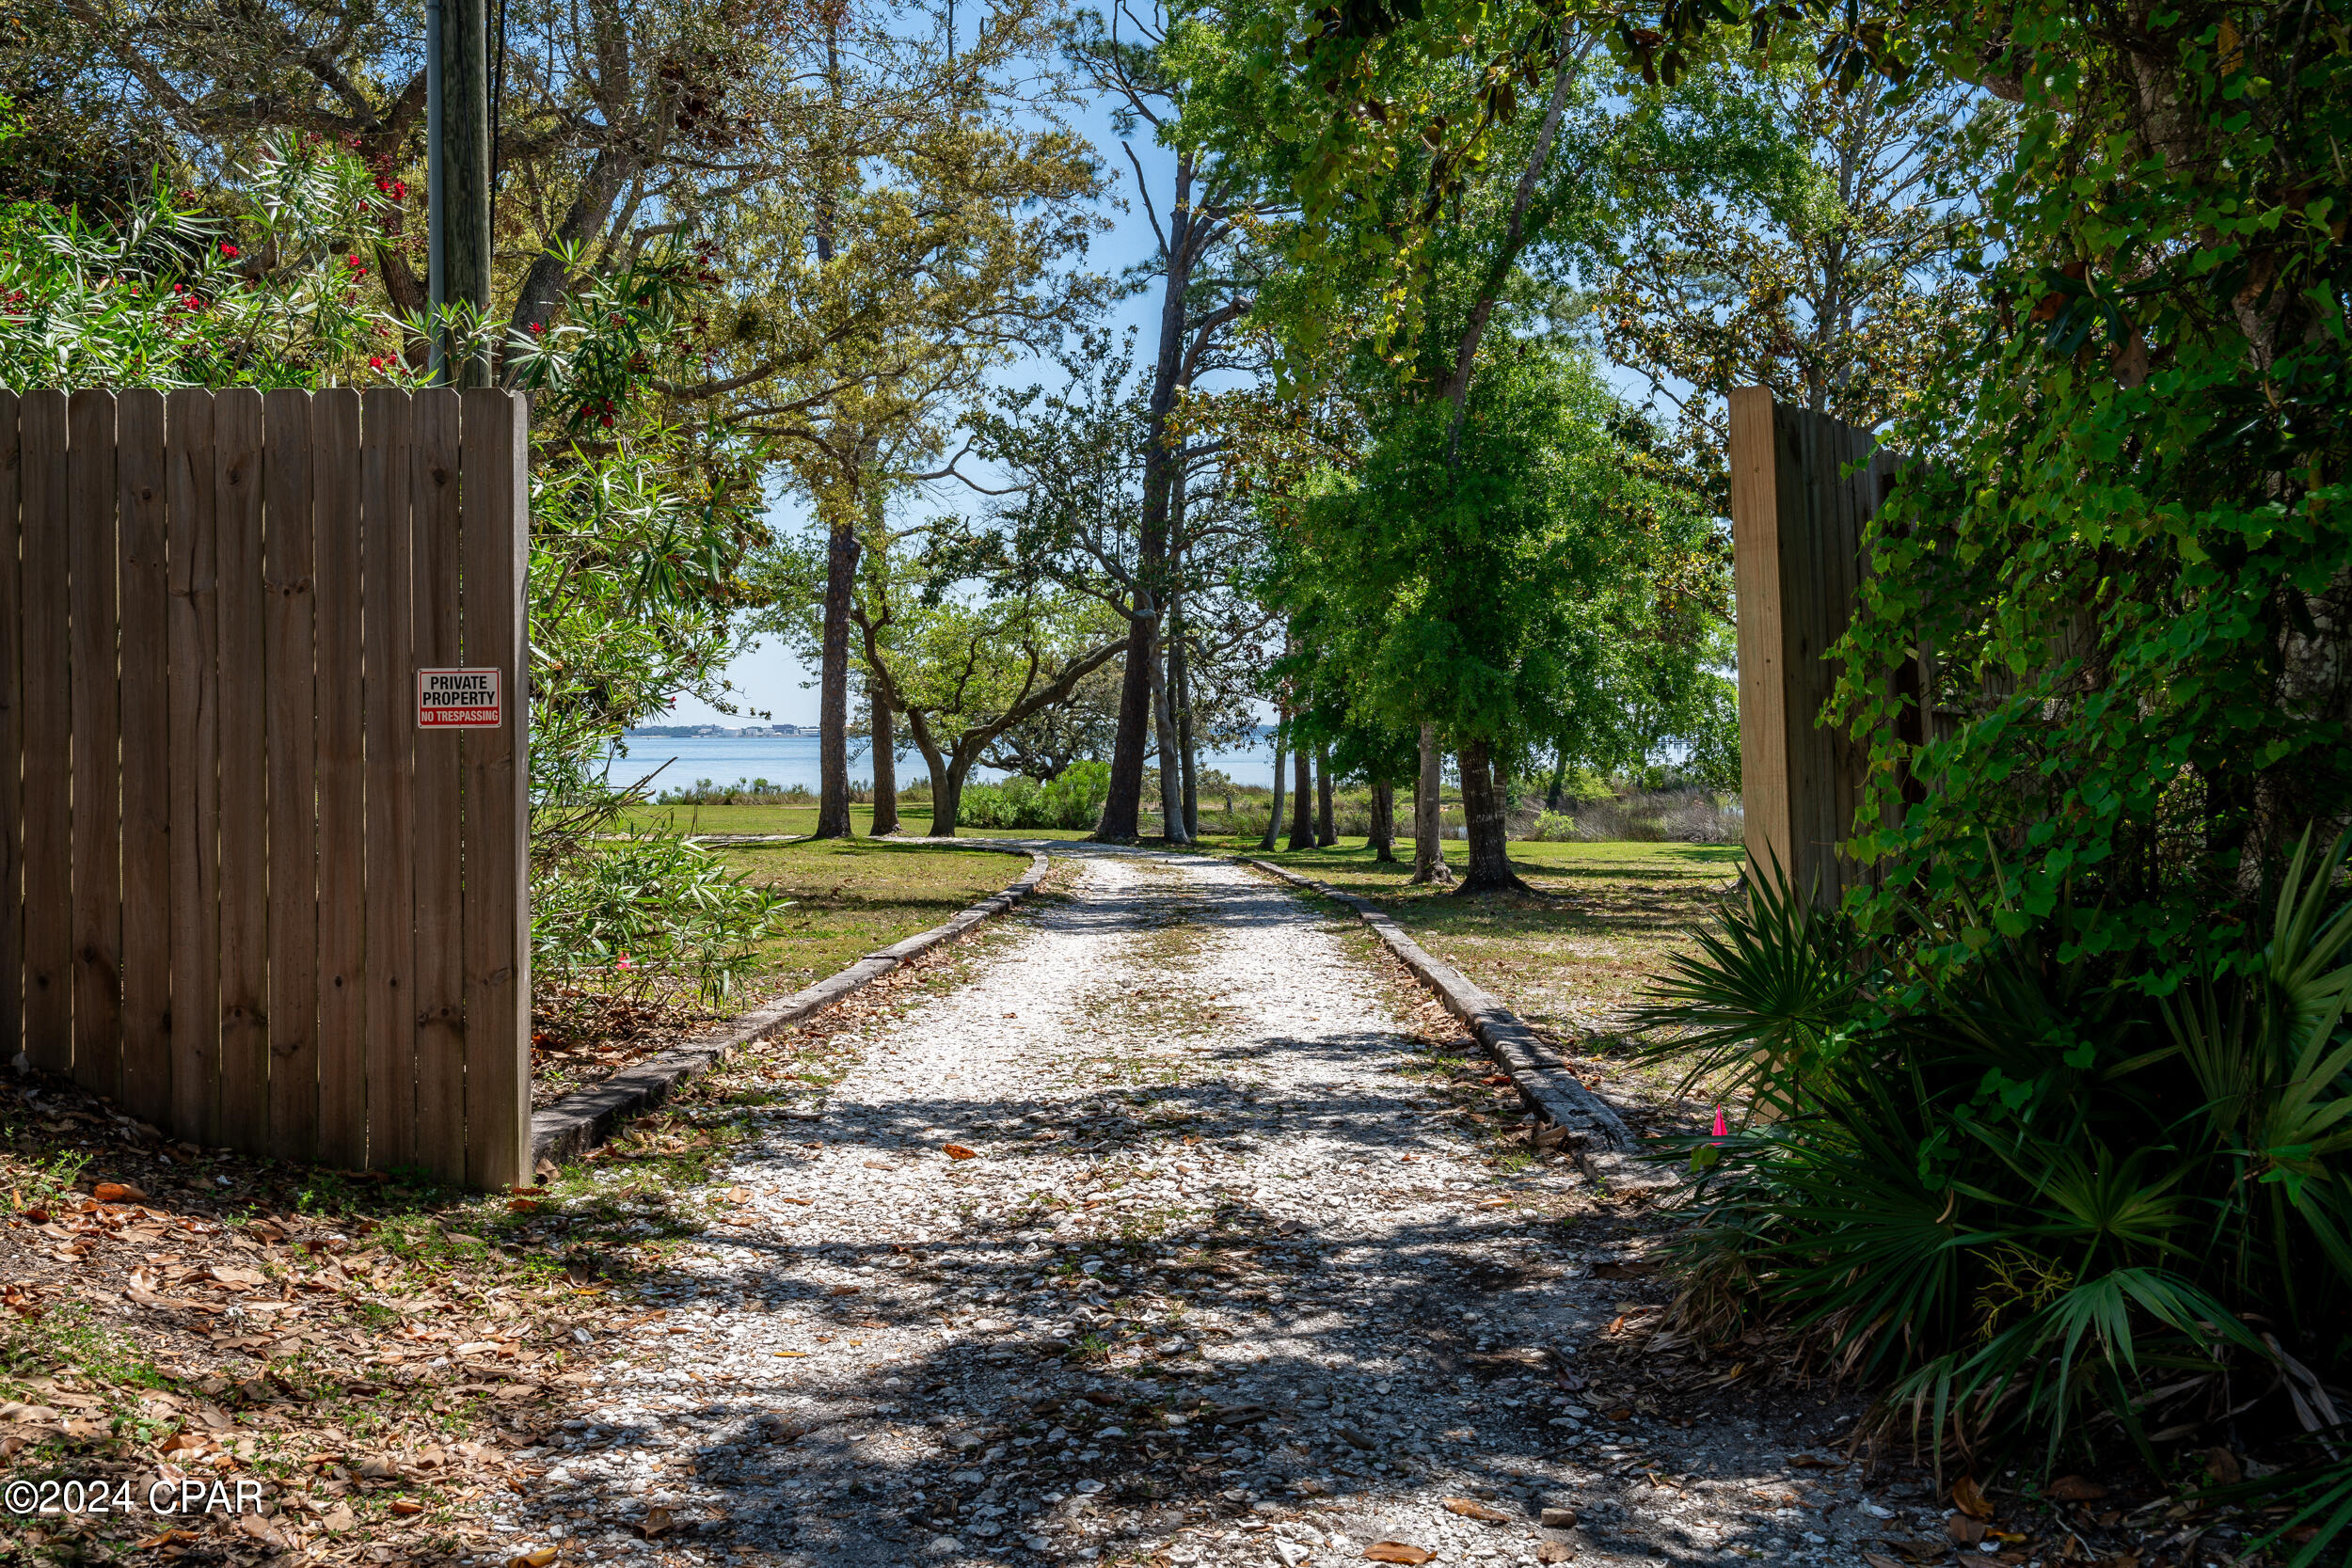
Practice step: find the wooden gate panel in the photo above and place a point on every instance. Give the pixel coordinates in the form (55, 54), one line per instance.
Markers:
(386, 471)
(142, 514)
(96, 748)
(438, 835)
(259, 905)
(192, 639)
(341, 749)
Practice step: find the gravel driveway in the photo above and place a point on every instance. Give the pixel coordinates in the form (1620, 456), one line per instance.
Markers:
(1158, 1240)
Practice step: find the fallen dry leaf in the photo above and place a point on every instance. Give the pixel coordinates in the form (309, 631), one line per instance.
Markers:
(656, 1523)
(539, 1559)
(406, 1505)
(118, 1192)
(1963, 1530)
(1880, 1560)
(1396, 1551)
(2224, 1466)
(1468, 1509)
(2077, 1489)
(956, 1151)
(1969, 1498)
(260, 1528)
(1554, 1551)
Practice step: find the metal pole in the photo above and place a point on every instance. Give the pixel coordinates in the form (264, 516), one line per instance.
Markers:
(437, 211)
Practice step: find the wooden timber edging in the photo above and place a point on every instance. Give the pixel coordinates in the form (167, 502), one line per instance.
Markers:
(1605, 1146)
(579, 1122)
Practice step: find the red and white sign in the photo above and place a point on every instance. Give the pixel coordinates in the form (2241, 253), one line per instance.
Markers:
(457, 698)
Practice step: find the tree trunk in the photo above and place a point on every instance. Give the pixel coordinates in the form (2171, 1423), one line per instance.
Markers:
(1180, 669)
(946, 798)
(1486, 814)
(1171, 771)
(885, 768)
(833, 708)
(1122, 808)
(1302, 798)
(1274, 817)
(1429, 815)
(1384, 821)
(1559, 782)
(1326, 834)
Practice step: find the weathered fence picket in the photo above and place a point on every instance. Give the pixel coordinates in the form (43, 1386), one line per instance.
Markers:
(242, 890)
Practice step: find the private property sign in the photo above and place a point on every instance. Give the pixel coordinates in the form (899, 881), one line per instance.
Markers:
(457, 698)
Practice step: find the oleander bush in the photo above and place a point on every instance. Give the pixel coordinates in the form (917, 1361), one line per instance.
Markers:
(648, 914)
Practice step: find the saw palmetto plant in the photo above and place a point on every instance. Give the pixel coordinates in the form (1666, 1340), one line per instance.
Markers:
(2044, 1208)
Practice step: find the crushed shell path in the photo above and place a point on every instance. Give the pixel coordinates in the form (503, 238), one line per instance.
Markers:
(1215, 1286)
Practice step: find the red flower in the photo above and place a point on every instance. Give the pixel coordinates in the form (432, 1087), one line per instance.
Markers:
(352, 262)
(376, 361)
(536, 329)
(230, 251)
(606, 422)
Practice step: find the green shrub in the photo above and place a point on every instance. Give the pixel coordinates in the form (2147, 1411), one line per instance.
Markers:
(2041, 1203)
(647, 915)
(1074, 800)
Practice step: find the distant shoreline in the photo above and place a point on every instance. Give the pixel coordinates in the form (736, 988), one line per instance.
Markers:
(714, 731)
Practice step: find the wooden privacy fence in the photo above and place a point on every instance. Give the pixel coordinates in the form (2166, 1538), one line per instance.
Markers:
(257, 890)
(1803, 488)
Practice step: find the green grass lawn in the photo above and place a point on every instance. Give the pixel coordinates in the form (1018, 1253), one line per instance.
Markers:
(853, 895)
(914, 821)
(1566, 964)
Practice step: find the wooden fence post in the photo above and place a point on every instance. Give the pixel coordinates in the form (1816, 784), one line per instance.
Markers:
(1803, 488)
